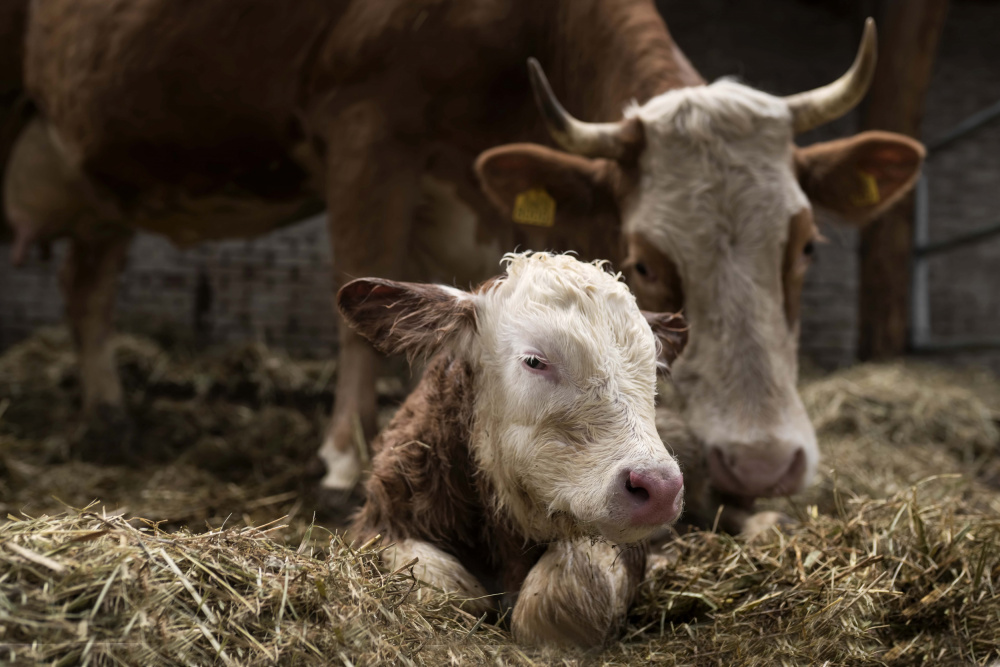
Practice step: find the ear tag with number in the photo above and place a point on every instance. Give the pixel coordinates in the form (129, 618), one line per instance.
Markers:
(535, 207)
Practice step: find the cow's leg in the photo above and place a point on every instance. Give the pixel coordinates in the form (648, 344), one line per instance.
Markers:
(578, 594)
(89, 280)
(441, 570)
(372, 192)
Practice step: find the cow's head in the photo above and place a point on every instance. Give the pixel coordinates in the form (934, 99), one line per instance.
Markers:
(565, 369)
(713, 201)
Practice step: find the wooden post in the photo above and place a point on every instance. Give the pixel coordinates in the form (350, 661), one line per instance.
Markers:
(909, 31)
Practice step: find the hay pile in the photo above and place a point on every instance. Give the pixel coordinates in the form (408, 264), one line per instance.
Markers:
(902, 403)
(88, 589)
(233, 431)
(903, 580)
(896, 559)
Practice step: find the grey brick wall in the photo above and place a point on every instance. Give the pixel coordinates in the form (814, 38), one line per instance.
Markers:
(276, 289)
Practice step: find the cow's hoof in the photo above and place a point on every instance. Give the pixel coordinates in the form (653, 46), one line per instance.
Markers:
(336, 506)
(761, 523)
(106, 436)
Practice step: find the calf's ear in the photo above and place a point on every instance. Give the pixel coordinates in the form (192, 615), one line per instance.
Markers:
(862, 176)
(409, 318)
(671, 331)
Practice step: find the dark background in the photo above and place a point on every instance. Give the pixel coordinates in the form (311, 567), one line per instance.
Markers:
(277, 289)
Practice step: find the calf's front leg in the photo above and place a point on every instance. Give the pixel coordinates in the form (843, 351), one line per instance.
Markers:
(441, 570)
(578, 594)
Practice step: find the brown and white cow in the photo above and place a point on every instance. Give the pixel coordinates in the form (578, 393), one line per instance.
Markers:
(713, 201)
(202, 120)
(528, 454)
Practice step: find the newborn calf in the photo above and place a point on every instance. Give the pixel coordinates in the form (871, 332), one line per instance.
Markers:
(528, 456)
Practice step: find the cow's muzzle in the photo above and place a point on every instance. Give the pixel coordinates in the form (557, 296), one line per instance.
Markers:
(752, 472)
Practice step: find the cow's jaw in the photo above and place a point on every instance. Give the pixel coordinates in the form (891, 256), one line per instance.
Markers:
(716, 193)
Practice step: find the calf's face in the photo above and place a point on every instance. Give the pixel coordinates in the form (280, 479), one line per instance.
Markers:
(563, 414)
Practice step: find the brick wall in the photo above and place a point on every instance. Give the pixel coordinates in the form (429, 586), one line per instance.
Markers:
(277, 288)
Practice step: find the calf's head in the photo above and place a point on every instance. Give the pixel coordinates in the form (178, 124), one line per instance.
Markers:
(712, 199)
(565, 369)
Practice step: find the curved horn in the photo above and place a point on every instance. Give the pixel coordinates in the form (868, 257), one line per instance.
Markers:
(607, 140)
(822, 105)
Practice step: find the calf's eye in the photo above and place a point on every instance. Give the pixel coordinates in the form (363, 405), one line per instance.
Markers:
(641, 269)
(535, 364)
(809, 249)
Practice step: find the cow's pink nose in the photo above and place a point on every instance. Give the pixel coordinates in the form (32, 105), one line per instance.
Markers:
(655, 496)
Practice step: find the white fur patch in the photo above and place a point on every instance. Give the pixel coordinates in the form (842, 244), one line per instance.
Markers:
(557, 444)
(343, 470)
(440, 570)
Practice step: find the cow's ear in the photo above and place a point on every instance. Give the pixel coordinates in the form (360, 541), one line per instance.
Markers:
(671, 331)
(537, 186)
(862, 176)
(408, 318)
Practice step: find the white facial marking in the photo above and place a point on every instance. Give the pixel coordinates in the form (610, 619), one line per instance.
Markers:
(716, 194)
(564, 406)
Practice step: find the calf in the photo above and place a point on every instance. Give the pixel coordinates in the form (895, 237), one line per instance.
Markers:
(528, 453)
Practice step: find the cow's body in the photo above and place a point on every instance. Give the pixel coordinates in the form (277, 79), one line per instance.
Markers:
(210, 120)
(203, 121)
(528, 442)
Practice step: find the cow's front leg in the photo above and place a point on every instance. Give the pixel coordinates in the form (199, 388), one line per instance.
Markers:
(441, 570)
(372, 191)
(578, 594)
(89, 280)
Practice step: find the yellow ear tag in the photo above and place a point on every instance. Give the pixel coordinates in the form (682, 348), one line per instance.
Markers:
(868, 195)
(535, 207)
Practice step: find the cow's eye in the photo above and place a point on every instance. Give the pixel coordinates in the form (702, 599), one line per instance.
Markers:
(642, 270)
(535, 364)
(809, 249)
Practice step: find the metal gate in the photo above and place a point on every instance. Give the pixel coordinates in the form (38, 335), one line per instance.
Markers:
(920, 315)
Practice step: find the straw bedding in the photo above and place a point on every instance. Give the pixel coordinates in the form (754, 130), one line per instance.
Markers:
(203, 549)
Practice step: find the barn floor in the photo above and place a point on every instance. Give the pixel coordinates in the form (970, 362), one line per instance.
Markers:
(896, 559)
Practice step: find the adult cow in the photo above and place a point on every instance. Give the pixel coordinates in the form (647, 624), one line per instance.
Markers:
(209, 120)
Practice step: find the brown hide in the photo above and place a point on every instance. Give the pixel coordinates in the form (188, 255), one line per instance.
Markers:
(423, 483)
(213, 96)
(14, 106)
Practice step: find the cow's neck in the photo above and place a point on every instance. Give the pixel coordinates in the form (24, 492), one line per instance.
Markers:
(602, 54)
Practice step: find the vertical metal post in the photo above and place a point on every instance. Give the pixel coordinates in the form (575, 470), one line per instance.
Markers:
(920, 306)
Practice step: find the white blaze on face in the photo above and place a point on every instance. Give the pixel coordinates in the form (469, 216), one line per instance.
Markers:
(716, 196)
(565, 404)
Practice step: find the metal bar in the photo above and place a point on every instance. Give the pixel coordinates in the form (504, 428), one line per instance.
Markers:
(957, 345)
(920, 307)
(971, 123)
(920, 319)
(958, 241)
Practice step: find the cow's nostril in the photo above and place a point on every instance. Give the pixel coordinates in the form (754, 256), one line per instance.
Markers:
(635, 489)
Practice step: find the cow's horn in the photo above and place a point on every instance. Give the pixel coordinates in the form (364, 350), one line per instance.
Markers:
(607, 140)
(822, 105)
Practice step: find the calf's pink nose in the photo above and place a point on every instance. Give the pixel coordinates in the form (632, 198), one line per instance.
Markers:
(655, 496)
